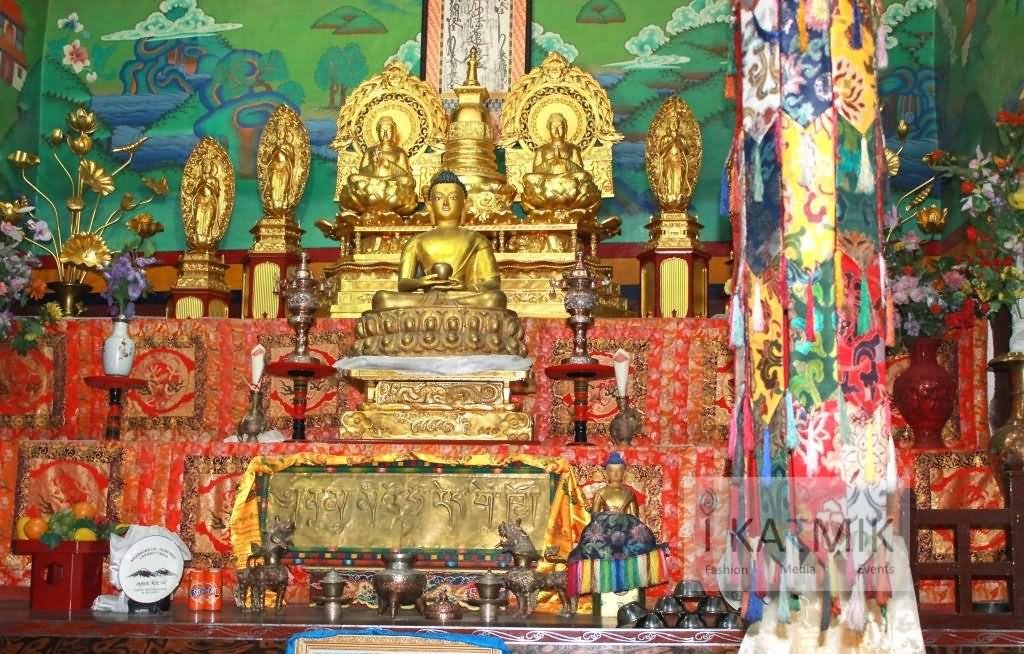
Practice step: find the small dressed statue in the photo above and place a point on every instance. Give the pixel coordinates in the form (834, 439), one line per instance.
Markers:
(617, 552)
(448, 265)
(558, 179)
(384, 182)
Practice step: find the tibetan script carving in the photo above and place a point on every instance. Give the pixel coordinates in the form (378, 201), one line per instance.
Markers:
(361, 511)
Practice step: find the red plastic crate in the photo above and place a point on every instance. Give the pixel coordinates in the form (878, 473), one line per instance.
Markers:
(66, 578)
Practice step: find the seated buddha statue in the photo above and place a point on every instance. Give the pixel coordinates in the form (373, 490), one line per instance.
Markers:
(623, 552)
(449, 299)
(558, 179)
(448, 264)
(384, 181)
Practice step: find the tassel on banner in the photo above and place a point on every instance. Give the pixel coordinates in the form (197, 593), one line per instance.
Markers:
(844, 423)
(890, 319)
(892, 479)
(881, 50)
(801, 25)
(748, 427)
(809, 320)
(883, 584)
(730, 87)
(856, 39)
(864, 316)
(757, 310)
(766, 458)
(758, 182)
(792, 440)
(866, 176)
(856, 609)
(871, 436)
(826, 603)
(736, 324)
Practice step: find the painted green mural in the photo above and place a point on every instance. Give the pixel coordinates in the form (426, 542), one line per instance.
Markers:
(21, 44)
(177, 70)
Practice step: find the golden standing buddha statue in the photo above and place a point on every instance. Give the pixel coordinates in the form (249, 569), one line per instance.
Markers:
(558, 179)
(207, 201)
(384, 181)
(449, 298)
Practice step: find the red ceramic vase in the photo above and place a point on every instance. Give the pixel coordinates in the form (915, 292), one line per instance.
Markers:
(925, 393)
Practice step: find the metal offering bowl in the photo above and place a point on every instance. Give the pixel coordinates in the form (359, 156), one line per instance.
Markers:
(629, 615)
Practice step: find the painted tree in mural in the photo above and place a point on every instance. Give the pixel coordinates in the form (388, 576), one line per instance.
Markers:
(810, 436)
(601, 11)
(339, 70)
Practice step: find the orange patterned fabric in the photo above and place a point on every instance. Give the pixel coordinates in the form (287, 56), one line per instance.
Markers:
(197, 372)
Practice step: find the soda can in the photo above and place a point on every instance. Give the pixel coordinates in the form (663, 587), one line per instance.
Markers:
(198, 588)
(214, 600)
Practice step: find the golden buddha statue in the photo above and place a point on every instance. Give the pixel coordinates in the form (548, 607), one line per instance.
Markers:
(384, 181)
(673, 155)
(558, 179)
(207, 201)
(207, 195)
(557, 130)
(449, 298)
(447, 264)
(616, 541)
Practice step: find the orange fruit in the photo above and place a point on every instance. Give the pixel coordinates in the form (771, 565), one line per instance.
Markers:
(83, 510)
(35, 528)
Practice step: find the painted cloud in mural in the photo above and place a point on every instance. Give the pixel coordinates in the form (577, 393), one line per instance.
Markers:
(898, 12)
(553, 42)
(697, 14)
(175, 19)
(643, 46)
(409, 53)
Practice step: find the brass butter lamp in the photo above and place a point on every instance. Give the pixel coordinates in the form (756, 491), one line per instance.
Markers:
(301, 294)
(580, 286)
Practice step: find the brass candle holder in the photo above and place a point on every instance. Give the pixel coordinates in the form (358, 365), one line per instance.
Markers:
(581, 287)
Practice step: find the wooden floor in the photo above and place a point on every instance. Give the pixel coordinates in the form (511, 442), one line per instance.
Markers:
(230, 631)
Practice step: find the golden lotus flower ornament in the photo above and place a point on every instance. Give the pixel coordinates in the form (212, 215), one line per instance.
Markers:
(87, 250)
(82, 120)
(22, 160)
(81, 144)
(157, 187)
(96, 178)
(145, 225)
(932, 219)
(55, 137)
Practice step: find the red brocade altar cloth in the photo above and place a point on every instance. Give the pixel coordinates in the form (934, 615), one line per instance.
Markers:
(171, 467)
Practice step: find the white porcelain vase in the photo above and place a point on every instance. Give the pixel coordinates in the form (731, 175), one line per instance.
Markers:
(1017, 320)
(118, 349)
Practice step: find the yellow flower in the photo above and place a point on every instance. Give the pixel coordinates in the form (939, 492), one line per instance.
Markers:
(80, 144)
(82, 120)
(145, 225)
(86, 249)
(156, 186)
(22, 159)
(96, 178)
(53, 311)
